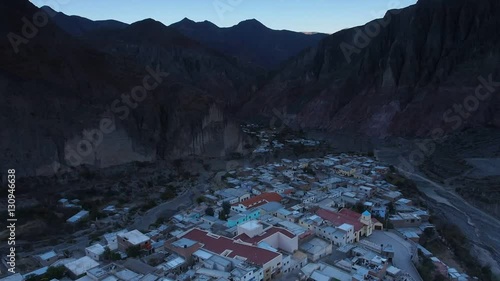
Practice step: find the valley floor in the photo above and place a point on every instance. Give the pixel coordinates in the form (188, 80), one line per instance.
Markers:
(482, 229)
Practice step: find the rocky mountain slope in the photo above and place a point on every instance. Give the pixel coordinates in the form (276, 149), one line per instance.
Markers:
(414, 72)
(250, 41)
(422, 70)
(78, 26)
(68, 101)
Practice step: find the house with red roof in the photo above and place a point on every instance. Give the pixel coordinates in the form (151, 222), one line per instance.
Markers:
(363, 223)
(279, 238)
(366, 219)
(270, 261)
(256, 201)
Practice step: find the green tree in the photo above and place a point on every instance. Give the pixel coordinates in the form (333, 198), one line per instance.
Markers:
(200, 199)
(391, 208)
(133, 251)
(359, 207)
(222, 216)
(57, 272)
(209, 211)
(168, 194)
(226, 207)
(110, 256)
(308, 170)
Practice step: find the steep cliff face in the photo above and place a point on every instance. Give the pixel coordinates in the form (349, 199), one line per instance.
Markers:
(68, 102)
(189, 62)
(399, 75)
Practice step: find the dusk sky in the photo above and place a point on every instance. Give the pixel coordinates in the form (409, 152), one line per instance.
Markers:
(326, 16)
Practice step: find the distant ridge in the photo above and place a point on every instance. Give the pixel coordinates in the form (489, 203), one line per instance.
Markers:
(250, 40)
(78, 26)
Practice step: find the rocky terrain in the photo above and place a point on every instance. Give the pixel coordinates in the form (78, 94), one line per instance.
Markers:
(56, 87)
(468, 164)
(79, 26)
(426, 70)
(400, 75)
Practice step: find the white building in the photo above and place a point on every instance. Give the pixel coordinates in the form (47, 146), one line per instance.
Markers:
(78, 217)
(13, 277)
(79, 267)
(133, 238)
(95, 251)
(47, 258)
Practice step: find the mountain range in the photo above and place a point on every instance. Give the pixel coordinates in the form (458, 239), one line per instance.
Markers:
(428, 69)
(250, 41)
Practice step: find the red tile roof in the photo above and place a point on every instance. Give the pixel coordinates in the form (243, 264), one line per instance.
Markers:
(337, 219)
(350, 213)
(221, 244)
(354, 215)
(257, 239)
(261, 199)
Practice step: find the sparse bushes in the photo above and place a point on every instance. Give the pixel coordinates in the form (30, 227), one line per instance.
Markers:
(209, 211)
(110, 256)
(426, 268)
(460, 246)
(226, 207)
(149, 205)
(133, 251)
(167, 195)
(200, 199)
(53, 272)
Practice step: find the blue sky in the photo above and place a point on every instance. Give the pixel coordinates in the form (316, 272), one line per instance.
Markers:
(298, 15)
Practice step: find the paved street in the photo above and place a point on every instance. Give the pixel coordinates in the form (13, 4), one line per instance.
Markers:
(402, 251)
(167, 208)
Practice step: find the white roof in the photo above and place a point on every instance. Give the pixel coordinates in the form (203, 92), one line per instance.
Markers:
(318, 276)
(251, 225)
(84, 278)
(37, 272)
(96, 249)
(81, 265)
(135, 237)
(393, 270)
(126, 274)
(109, 278)
(13, 277)
(346, 227)
(78, 216)
(47, 255)
(202, 254)
(175, 262)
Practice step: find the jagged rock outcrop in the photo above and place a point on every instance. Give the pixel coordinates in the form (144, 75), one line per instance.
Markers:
(400, 75)
(63, 98)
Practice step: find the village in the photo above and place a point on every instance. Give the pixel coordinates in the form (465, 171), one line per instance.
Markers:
(334, 217)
